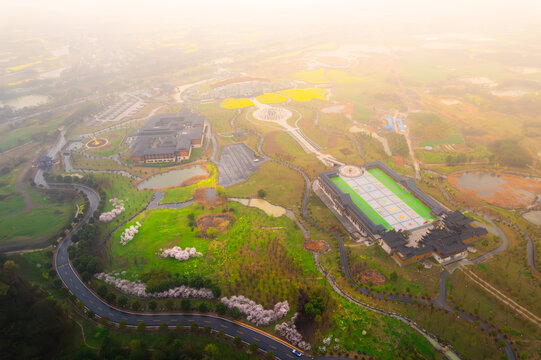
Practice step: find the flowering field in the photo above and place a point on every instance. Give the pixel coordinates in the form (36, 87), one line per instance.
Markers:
(305, 94)
(160, 229)
(271, 98)
(232, 103)
(249, 259)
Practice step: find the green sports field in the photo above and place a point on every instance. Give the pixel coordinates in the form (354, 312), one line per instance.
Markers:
(392, 208)
(414, 203)
(361, 203)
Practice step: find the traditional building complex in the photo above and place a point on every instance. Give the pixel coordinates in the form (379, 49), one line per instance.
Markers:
(376, 203)
(169, 137)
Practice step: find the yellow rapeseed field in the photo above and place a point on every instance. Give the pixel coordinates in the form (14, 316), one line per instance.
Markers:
(24, 66)
(312, 77)
(271, 98)
(305, 94)
(239, 103)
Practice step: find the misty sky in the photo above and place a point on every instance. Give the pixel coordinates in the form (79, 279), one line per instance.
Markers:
(452, 15)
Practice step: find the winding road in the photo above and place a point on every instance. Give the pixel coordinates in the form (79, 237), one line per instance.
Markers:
(247, 333)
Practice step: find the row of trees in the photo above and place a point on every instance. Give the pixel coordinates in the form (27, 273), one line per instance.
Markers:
(158, 280)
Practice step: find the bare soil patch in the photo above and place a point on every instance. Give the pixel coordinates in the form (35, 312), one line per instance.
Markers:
(315, 246)
(398, 160)
(372, 277)
(218, 221)
(333, 60)
(236, 80)
(201, 195)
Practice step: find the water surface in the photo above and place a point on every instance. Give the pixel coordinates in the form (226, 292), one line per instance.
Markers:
(171, 178)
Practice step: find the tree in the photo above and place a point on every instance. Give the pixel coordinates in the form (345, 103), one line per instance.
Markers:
(122, 324)
(394, 276)
(221, 309)
(102, 290)
(261, 193)
(269, 355)
(152, 305)
(207, 330)
(237, 341)
(235, 312)
(211, 232)
(179, 327)
(122, 301)
(90, 314)
(164, 327)
(253, 348)
(141, 327)
(211, 350)
(195, 327)
(185, 305)
(136, 305)
(203, 307)
(110, 298)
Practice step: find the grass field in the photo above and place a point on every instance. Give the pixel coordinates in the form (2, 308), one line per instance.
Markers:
(232, 103)
(282, 185)
(384, 338)
(11, 200)
(452, 139)
(120, 187)
(312, 77)
(38, 223)
(305, 94)
(271, 98)
(113, 146)
(250, 259)
(217, 116)
(410, 200)
(161, 229)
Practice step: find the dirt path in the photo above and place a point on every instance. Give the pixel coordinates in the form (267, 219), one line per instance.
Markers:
(527, 314)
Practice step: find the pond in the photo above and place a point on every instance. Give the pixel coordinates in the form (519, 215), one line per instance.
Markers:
(533, 216)
(171, 178)
(505, 190)
(485, 184)
(262, 204)
(26, 101)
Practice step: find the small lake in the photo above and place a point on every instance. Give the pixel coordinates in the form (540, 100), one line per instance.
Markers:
(484, 184)
(171, 178)
(26, 101)
(533, 216)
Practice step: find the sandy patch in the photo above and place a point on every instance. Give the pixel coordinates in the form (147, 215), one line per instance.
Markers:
(482, 81)
(450, 101)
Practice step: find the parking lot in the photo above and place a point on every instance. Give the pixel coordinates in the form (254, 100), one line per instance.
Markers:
(237, 162)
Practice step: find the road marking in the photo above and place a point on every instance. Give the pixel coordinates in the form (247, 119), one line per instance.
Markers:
(206, 321)
(291, 356)
(240, 332)
(273, 347)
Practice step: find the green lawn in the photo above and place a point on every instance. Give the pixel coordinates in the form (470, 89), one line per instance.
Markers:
(11, 200)
(252, 258)
(455, 138)
(121, 187)
(41, 222)
(114, 139)
(161, 229)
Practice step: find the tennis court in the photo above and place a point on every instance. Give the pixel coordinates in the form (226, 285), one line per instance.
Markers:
(383, 201)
